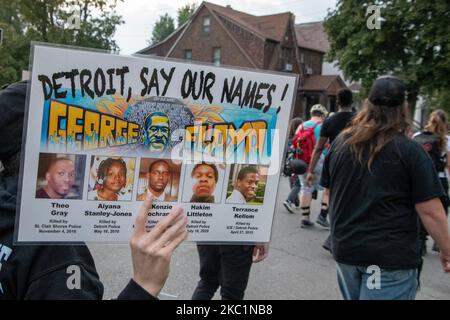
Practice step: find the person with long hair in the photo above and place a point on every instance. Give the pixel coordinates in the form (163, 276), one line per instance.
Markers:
(380, 182)
(434, 140)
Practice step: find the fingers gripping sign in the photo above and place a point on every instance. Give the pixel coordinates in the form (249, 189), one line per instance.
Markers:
(152, 250)
(260, 252)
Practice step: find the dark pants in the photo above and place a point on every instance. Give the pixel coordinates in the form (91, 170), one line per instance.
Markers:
(227, 266)
(295, 185)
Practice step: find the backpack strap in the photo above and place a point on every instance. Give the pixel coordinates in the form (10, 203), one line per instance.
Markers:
(302, 127)
(317, 123)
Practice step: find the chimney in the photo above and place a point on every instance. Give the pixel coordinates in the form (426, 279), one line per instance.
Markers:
(229, 6)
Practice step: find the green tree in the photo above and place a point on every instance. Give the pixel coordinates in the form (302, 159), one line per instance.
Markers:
(412, 43)
(439, 99)
(14, 50)
(162, 28)
(85, 23)
(185, 13)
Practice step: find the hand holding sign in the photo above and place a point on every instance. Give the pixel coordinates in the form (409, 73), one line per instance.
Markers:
(152, 251)
(260, 252)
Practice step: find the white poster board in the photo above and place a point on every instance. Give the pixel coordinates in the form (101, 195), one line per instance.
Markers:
(104, 129)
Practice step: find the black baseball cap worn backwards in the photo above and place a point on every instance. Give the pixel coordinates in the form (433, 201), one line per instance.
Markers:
(387, 91)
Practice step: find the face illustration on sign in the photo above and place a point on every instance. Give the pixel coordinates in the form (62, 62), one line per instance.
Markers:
(156, 131)
(60, 178)
(115, 177)
(158, 177)
(248, 185)
(205, 177)
(111, 178)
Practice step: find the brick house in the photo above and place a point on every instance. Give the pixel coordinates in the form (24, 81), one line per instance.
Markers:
(224, 36)
(313, 34)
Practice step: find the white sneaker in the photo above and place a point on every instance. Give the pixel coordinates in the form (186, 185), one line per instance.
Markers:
(288, 206)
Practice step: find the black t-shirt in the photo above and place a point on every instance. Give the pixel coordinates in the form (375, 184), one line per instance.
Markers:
(373, 218)
(335, 124)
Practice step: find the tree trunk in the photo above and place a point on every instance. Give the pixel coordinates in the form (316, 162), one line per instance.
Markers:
(412, 100)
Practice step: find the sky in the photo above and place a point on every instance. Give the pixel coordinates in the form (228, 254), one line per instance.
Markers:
(141, 15)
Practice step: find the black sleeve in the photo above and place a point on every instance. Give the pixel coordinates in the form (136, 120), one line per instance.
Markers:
(425, 183)
(73, 281)
(326, 175)
(325, 178)
(324, 129)
(60, 272)
(133, 291)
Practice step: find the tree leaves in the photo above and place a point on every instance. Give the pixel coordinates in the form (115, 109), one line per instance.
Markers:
(165, 25)
(413, 43)
(163, 28)
(47, 20)
(184, 13)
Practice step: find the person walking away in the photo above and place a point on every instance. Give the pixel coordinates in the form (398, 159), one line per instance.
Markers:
(331, 128)
(380, 182)
(305, 140)
(435, 142)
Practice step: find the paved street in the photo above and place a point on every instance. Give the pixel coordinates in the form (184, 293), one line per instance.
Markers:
(297, 266)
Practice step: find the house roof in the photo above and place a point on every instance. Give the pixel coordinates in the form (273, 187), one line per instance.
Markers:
(322, 83)
(271, 27)
(175, 34)
(312, 35)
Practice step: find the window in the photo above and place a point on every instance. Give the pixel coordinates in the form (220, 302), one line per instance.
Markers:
(188, 55)
(216, 56)
(308, 64)
(206, 24)
(302, 58)
(286, 54)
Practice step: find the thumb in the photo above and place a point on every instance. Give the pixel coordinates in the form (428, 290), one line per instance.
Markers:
(141, 218)
(148, 201)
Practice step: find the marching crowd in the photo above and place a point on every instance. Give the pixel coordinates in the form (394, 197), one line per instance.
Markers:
(384, 191)
(385, 188)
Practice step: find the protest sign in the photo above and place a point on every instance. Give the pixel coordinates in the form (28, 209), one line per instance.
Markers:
(102, 130)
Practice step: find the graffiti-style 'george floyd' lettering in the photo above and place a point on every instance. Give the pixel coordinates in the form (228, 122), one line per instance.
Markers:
(81, 129)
